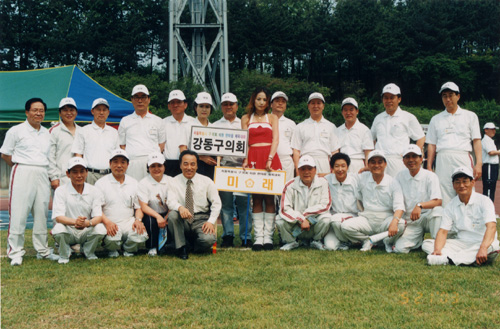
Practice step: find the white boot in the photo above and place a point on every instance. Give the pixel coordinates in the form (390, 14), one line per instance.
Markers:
(268, 227)
(258, 228)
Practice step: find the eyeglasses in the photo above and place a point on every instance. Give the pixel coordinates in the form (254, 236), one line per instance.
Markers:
(140, 98)
(37, 110)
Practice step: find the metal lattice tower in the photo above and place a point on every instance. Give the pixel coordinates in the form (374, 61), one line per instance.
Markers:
(192, 57)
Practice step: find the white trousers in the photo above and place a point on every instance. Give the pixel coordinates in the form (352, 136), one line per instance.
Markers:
(360, 228)
(126, 237)
(356, 165)
(89, 238)
(322, 164)
(138, 168)
(446, 163)
(413, 235)
(394, 165)
(335, 235)
(461, 252)
(288, 166)
(29, 192)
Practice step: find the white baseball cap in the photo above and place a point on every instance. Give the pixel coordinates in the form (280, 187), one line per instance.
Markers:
(229, 97)
(490, 125)
(279, 94)
(203, 98)
(176, 94)
(349, 100)
(412, 148)
(118, 153)
(376, 153)
(140, 89)
(76, 161)
(67, 101)
(306, 160)
(315, 96)
(464, 171)
(100, 101)
(391, 88)
(155, 157)
(451, 86)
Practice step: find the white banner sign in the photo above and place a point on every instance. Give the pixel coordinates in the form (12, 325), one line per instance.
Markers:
(219, 141)
(254, 181)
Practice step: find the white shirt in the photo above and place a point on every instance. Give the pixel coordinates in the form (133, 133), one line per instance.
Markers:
(27, 145)
(344, 195)
(176, 134)
(315, 138)
(235, 124)
(96, 145)
(469, 220)
(453, 131)
(354, 141)
(393, 132)
(488, 145)
(154, 193)
(141, 136)
(286, 129)
(61, 141)
(196, 122)
(205, 195)
(119, 200)
(383, 197)
(68, 202)
(421, 188)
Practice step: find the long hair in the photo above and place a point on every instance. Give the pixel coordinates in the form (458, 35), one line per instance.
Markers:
(251, 103)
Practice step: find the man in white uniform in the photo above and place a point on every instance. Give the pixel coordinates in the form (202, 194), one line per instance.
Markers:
(122, 213)
(62, 136)
(229, 107)
(450, 134)
(490, 161)
(344, 191)
(141, 133)
(354, 138)
(472, 215)
(305, 204)
(315, 136)
(26, 150)
(383, 204)
(394, 128)
(286, 126)
(96, 141)
(77, 210)
(194, 205)
(422, 196)
(177, 129)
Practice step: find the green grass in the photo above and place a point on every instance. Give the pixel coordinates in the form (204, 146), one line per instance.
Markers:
(238, 288)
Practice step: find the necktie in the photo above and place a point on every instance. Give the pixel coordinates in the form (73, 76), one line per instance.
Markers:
(189, 199)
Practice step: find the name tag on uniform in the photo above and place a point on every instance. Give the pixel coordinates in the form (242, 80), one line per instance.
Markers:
(324, 134)
(449, 130)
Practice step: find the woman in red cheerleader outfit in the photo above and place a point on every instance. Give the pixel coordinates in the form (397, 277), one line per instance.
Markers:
(263, 142)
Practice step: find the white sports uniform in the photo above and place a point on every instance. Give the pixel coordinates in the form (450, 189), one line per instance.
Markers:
(176, 134)
(141, 137)
(354, 142)
(317, 139)
(284, 150)
(344, 197)
(469, 220)
(61, 141)
(393, 134)
(96, 145)
(120, 202)
(380, 201)
(298, 203)
(68, 202)
(452, 134)
(421, 188)
(29, 189)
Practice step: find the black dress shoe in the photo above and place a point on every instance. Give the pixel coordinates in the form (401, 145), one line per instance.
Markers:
(227, 242)
(249, 244)
(257, 247)
(182, 253)
(268, 246)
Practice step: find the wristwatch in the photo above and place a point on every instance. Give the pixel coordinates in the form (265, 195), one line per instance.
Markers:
(420, 205)
(90, 222)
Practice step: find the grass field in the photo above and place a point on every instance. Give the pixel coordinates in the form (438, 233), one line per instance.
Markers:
(239, 288)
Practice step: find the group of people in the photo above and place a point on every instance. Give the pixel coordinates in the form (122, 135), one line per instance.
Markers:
(354, 185)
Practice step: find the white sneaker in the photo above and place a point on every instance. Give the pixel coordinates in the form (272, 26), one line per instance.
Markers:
(91, 256)
(290, 246)
(344, 246)
(127, 254)
(16, 261)
(317, 245)
(152, 252)
(388, 248)
(437, 260)
(50, 256)
(367, 245)
(63, 260)
(113, 254)
(75, 248)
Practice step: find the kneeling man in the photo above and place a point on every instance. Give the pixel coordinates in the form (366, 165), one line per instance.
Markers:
(78, 213)
(472, 215)
(304, 210)
(194, 205)
(122, 213)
